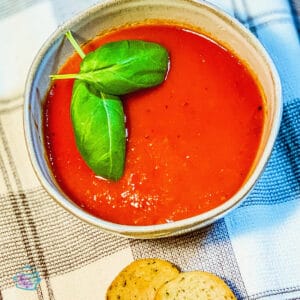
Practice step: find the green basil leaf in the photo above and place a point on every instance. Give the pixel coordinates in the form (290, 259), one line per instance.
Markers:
(122, 67)
(98, 123)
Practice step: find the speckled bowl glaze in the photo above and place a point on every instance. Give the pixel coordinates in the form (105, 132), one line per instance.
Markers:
(107, 15)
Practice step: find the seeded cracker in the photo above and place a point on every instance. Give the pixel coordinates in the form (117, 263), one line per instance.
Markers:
(195, 285)
(141, 279)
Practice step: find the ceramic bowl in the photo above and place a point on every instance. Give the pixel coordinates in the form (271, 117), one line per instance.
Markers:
(112, 14)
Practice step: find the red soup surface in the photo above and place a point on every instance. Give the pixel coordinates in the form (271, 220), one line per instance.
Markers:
(191, 141)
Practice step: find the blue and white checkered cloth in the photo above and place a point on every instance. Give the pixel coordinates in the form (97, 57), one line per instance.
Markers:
(255, 248)
(265, 231)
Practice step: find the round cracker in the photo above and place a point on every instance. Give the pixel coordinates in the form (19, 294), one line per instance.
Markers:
(195, 285)
(141, 279)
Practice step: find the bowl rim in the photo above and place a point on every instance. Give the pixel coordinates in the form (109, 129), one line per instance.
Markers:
(166, 229)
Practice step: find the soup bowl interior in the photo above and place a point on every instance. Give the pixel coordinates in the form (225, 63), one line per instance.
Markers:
(197, 16)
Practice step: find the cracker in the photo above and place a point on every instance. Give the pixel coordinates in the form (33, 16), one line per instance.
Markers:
(141, 279)
(195, 285)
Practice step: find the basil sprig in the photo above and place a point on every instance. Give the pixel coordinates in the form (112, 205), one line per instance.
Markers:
(114, 69)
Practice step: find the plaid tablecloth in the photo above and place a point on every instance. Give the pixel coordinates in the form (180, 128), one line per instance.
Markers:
(45, 253)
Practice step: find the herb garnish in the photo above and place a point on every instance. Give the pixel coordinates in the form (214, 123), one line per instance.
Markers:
(112, 70)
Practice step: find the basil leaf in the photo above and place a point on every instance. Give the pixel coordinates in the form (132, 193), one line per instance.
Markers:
(98, 123)
(122, 67)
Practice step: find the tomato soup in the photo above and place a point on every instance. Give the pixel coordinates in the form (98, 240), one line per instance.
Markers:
(191, 140)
